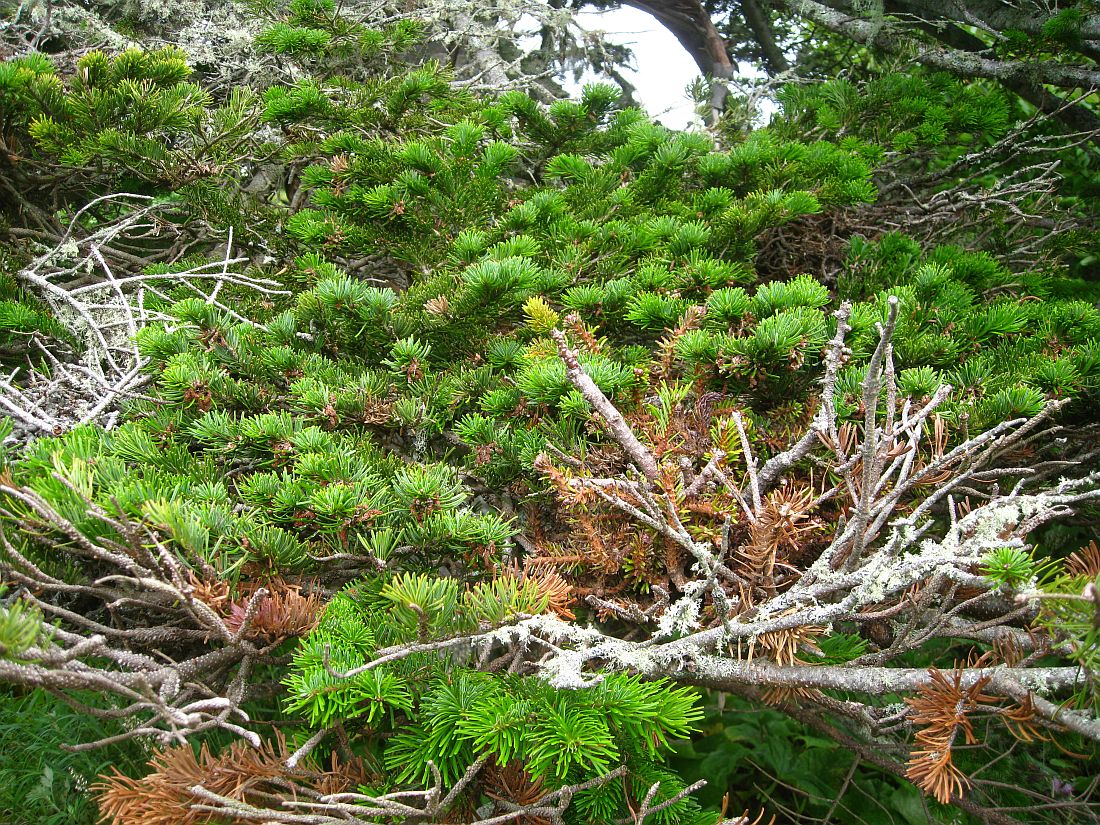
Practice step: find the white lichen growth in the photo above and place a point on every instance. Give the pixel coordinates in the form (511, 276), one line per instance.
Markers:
(680, 618)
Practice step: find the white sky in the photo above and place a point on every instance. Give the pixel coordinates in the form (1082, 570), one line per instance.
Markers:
(664, 69)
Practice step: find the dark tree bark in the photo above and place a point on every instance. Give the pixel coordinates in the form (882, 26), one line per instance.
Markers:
(997, 15)
(1077, 118)
(890, 38)
(690, 23)
(756, 18)
(929, 32)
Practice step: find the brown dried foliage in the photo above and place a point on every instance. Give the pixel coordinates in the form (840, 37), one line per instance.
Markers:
(743, 819)
(558, 592)
(440, 305)
(1085, 562)
(938, 449)
(284, 612)
(584, 333)
(164, 797)
(1021, 722)
(598, 539)
(783, 646)
(215, 594)
(512, 784)
(777, 536)
(941, 708)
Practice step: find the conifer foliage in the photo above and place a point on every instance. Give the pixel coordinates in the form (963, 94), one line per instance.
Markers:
(451, 448)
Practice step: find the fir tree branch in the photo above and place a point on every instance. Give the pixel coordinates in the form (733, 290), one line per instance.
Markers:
(616, 425)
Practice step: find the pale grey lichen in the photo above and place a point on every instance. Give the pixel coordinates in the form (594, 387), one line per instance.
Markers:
(986, 528)
(219, 38)
(682, 616)
(566, 671)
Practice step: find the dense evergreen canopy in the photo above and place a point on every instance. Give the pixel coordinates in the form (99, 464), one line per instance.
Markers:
(388, 440)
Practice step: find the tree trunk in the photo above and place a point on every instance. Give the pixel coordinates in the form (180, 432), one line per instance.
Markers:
(691, 25)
